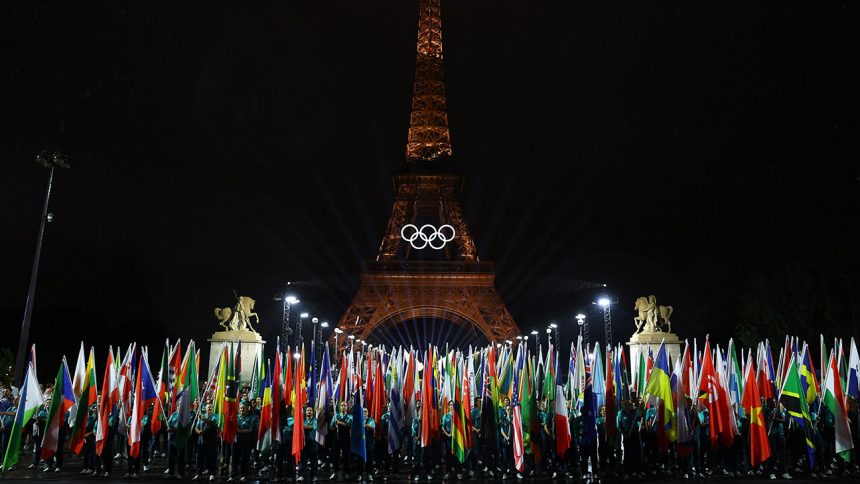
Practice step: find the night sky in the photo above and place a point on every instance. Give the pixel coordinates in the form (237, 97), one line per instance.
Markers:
(659, 149)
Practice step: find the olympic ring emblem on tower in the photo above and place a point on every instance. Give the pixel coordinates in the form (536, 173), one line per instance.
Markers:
(427, 235)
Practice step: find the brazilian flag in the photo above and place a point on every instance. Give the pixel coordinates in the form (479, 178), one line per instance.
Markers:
(794, 399)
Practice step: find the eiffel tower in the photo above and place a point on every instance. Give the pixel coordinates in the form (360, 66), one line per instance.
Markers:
(438, 284)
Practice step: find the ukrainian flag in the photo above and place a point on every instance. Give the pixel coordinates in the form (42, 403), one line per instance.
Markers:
(659, 386)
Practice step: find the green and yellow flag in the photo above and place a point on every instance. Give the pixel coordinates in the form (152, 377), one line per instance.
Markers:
(793, 398)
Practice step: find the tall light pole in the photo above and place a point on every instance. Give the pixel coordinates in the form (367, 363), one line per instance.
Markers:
(299, 338)
(606, 303)
(536, 335)
(50, 161)
(289, 301)
(555, 327)
(580, 320)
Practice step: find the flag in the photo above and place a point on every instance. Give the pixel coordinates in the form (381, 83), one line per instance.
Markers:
(610, 396)
(458, 417)
(853, 376)
(517, 420)
(659, 386)
(89, 396)
(29, 402)
(429, 413)
(759, 447)
(409, 386)
(325, 393)
(715, 399)
(78, 378)
(794, 400)
(835, 401)
(358, 445)
(298, 404)
(640, 374)
(230, 423)
(807, 376)
(597, 387)
(144, 396)
(161, 389)
(395, 412)
(107, 401)
(62, 399)
(264, 434)
(277, 396)
(220, 387)
(562, 426)
(313, 377)
(187, 394)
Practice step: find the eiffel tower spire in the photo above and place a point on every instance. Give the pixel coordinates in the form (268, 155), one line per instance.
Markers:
(428, 124)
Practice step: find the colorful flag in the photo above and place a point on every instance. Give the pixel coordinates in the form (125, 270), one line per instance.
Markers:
(107, 401)
(230, 423)
(458, 417)
(794, 400)
(713, 396)
(78, 378)
(264, 433)
(62, 399)
(853, 376)
(29, 402)
(759, 447)
(562, 426)
(298, 405)
(188, 393)
(325, 393)
(835, 401)
(89, 396)
(144, 396)
(660, 387)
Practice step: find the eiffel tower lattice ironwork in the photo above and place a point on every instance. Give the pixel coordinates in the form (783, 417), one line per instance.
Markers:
(451, 283)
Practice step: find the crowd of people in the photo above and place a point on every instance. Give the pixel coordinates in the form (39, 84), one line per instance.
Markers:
(526, 424)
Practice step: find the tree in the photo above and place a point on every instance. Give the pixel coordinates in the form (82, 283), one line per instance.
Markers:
(804, 297)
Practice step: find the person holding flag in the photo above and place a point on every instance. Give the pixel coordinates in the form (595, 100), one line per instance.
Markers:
(309, 452)
(61, 401)
(341, 425)
(247, 426)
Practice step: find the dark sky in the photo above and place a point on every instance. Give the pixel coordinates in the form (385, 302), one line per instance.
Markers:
(657, 148)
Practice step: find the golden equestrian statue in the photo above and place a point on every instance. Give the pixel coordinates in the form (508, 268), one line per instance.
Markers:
(239, 317)
(652, 318)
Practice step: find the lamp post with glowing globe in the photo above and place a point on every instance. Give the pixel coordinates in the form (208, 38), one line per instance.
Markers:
(580, 320)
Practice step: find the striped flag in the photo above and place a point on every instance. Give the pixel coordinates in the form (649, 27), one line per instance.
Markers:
(836, 403)
(62, 399)
(29, 402)
(144, 396)
(89, 395)
(107, 401)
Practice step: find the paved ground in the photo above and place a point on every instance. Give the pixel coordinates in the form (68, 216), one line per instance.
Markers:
(155, 474)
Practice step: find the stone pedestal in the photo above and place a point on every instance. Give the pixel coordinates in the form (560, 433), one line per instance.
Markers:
(252, 345)
(640, 343)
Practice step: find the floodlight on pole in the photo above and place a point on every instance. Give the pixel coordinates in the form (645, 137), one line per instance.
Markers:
(580, 320)
(48, 160)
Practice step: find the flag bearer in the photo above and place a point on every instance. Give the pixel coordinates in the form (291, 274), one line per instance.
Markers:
(175, 457)
(341, 423)
(246, 436)
(309, 452)
(206, 431)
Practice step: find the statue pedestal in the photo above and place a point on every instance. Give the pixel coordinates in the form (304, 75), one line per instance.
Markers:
(640, 343)
(252, 345)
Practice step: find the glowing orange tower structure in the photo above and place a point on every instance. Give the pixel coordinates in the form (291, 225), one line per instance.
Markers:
(440, 279)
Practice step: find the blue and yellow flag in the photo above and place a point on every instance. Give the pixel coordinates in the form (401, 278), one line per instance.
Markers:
(659, 386)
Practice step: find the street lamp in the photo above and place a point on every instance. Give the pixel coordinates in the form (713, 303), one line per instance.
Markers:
(557, 339)
(51, 161)
(536, 334)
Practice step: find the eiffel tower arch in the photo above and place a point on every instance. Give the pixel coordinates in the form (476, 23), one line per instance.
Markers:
(409, 281)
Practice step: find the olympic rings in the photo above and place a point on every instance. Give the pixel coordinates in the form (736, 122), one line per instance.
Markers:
(427, 235)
